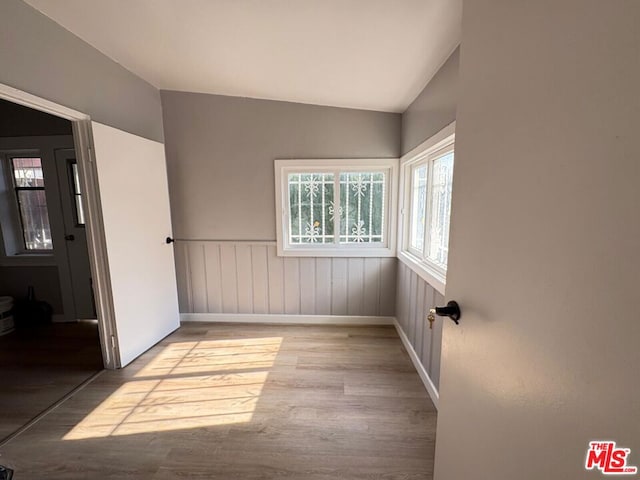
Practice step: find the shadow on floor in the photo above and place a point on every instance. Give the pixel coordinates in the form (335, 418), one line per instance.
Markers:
(40, 365)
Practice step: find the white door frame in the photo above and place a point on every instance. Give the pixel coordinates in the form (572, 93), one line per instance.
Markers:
(83, 142)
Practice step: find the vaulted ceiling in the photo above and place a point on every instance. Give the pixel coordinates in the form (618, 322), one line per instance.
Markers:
(370, 54)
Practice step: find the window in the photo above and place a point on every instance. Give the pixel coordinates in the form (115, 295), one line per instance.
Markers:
(77, 193)
(428, 178)
(28, 183)
(335, 207)
(431, 181)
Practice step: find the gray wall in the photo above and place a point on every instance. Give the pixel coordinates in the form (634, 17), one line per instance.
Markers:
(434, 108)
(220, 153)
(40, 57)
(19, 121)
(430, 112)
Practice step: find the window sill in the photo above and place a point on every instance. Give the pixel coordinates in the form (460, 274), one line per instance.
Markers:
(341, 251)
(28, 260)
(433, 278)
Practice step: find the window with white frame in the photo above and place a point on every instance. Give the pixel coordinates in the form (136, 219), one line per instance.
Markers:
(28, 186)
(335, 207)
(428, 178)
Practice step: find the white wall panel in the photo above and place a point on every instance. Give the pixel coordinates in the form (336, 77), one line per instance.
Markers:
(355, 286)
(276, 280)
(339, 285)
(248, 277)
(260, 278)
(421, 315)
(307, 271)
(291, 286)
(228, 276)
(388, 275)
(212, 277)
(371, 286)
(197, 269)
(414, 299)
(244, 278)
(323, 286)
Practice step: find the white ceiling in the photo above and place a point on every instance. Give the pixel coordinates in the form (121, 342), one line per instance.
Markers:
(370, 54)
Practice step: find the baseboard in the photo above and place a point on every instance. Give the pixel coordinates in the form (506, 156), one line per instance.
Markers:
(424, 376)
(286, 319)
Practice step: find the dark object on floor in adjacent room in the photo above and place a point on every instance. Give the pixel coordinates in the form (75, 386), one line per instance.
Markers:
(5, 473)
(31, 312)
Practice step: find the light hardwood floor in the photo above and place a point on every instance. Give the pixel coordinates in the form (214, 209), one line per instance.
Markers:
(217, 401)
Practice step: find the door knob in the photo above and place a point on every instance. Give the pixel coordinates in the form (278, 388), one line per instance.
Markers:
(5, 473)
(169, 240)
(69, 238)
(452, 310)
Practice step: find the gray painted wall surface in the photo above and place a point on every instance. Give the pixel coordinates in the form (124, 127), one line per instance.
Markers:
(40, 57)
(414, 299)
(430, 112)
(246, 277)
(220, 153)
(434, 108)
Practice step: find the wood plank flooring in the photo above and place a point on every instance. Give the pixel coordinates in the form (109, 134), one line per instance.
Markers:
(40, 365)
(218, 401)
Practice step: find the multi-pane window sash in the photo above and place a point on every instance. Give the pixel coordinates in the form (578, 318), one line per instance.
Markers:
(430, 196)
(337, 207)
(77, 194)
(28, 181)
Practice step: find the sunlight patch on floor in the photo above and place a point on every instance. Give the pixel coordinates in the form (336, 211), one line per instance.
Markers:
(187, 385)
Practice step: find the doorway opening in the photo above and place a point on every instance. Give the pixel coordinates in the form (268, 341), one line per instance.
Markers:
(49, 336)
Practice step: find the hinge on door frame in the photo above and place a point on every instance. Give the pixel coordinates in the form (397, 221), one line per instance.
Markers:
(113, 343)
(89, 154)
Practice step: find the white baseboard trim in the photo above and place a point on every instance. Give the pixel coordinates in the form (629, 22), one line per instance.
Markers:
(424, 376)
(285, 319)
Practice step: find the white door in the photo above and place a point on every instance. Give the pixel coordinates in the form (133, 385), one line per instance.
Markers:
(132, 179)
(75, 235)
(545, 243)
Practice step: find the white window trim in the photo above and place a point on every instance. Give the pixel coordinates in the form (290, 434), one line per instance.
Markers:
(13, 225)
(429, 271)
(11, 230)
(386, 249)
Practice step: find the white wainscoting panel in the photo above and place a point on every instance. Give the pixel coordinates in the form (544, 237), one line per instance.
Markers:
(414, 299)
(249, 278)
